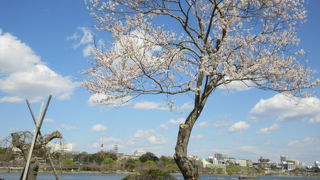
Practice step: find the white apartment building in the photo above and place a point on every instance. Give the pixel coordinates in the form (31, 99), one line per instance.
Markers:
(221, 160)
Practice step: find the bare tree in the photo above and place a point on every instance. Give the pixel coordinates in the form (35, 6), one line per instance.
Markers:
(22, 141)
(195, 46)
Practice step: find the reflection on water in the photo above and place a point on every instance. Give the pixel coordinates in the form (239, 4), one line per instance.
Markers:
(79, 176)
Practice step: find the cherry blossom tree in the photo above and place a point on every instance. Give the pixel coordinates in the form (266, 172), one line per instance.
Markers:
(195, 46)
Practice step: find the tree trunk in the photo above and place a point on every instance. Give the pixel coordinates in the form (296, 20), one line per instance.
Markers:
(187, 166)
(33, 171)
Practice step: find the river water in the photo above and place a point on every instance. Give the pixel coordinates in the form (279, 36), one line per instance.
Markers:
(79, 176)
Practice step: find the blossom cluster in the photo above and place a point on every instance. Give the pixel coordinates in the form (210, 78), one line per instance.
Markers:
(212, 43)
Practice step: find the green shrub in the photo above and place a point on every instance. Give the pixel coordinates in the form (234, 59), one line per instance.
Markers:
(153, 174)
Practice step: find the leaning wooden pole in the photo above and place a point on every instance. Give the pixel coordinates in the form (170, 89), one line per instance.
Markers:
(40, 135)
(35, 136)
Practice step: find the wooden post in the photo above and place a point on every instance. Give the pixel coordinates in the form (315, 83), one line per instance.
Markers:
(35, 135)
(49, 156)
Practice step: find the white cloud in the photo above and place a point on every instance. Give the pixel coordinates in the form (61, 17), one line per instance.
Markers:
(251, 149)
(268, 142)
(164, 126)
(172, 121)
(68, 127)
(237, 86)
(49, 120)
(13, 99)
(308, 141)
(286, 108)
(87, 51)
(15, 56)
(110, 139)
(102, 99)
(185, 107)
(176, 121)
(239, 126)
(147, 105)
(36, 83)
(25, 76)
(86, 38)
(268, 129)
(156, 140)
(142, 133)
(99, 127)
(203, 124)
(222, 123)
(197, 137)
(75, 36)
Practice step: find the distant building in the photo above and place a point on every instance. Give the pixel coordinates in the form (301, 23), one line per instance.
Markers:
(220, 156)
(122, 156)
(284, 158)
(240, 162)
(213, 162)
(290, 164)
(116, 148)
(317, 164)
(264, 163)
(207, 164)
(222, 160)
(56, 147)
(138, 153)
(263, 160)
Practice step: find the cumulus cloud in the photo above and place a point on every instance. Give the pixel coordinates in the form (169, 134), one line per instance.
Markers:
(239, 126)
(172, 121)
(203, 124)
(85, 39)
(307, 141)
(110, 139)
(197, 137)
(25, 76)
(185, 107)
(237, 86)
(177, 121)
(107, 143)
(156, 140)
(268, 129)
(49, 120)
(251, 149)
(164, 126)
(146, 138)
(222, 123)
(142, 133)
(87, 51)
(99, 127)
(67, 127)
(102, 99)
(286, 108)
(148, 105)
(15, 56)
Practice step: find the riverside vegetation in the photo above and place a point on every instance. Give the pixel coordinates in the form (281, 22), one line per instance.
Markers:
(108, 162)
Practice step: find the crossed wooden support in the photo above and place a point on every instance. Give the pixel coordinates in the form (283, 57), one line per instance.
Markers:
(37, 132)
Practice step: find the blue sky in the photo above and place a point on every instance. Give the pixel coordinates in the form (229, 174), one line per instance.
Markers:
(44, 48)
